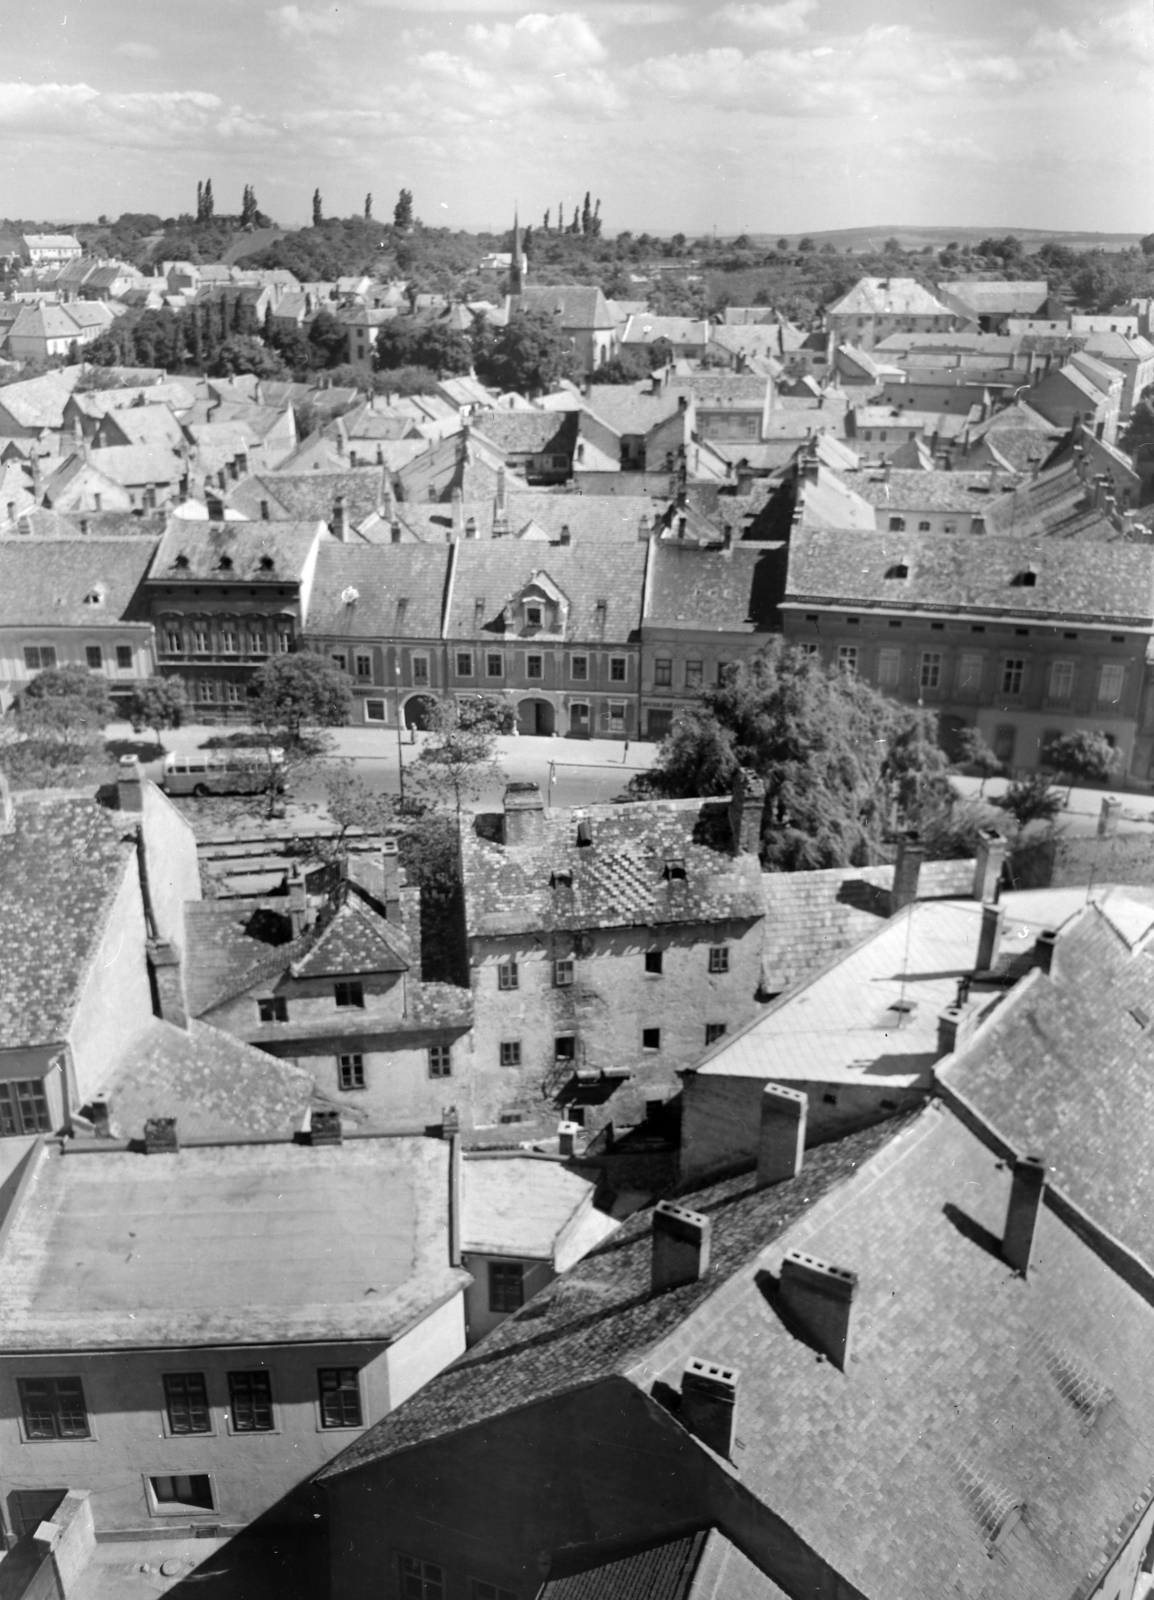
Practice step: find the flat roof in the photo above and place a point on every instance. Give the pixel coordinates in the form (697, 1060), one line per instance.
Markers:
(527, 1206)
(236, 1244)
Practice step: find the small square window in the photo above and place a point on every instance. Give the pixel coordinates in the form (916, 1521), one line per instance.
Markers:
(563, 973)
(340, 1397)
(186, 1402)
(494, 666)
(273, 1009)
(533, 616)
(351, 1071)
(507, 975)
(464, 663)
(565, 1047)
(715, 1031)
(651, 1038)
(579, 669)
(510, 1052)
(350, 994)
(440, 1061)
(662, 674)
(617, 669)
(374, 710)
(250, 1401)
(653, 960)
(506, 1286)
(719, 958)
(534, 666)
(95, 658)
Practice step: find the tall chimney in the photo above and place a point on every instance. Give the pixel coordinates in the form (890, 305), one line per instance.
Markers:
(681, 1241)
(340, 524)
(298, 906)
(709, 1403)
(391, 880)
(524, 813)
(907, 869)
(1108, 816)
(500, 507)
(168, 977)
(1026, 1192)
(129, 789)
(325, 1126)
(746, 810)
(781, 1140)
(955, 1025)
(818, 1299)
(989, 937)
(991, 853)
(1044, 946)
(451, 1130)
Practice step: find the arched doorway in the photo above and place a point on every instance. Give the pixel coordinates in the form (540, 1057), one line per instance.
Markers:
(419, 711)
(535, 717)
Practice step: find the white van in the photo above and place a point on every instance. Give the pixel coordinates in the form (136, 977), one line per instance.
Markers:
(220, 772)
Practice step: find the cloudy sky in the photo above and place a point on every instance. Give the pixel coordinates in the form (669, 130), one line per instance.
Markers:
(781, 117)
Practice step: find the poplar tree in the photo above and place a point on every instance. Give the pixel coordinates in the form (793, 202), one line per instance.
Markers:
(318, 218)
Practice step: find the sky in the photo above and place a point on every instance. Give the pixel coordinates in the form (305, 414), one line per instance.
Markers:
(798, 115)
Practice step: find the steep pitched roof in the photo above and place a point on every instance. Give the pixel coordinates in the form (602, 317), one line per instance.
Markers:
(891, 297)
(604, 594)
(735, 590)
(310, 496)
(529, 432)
(576, 305)
(399, 591)
(991, 296)
(357, 940)
(192, 551)
(71, 582)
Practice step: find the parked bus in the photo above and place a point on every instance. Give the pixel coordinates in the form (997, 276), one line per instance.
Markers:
(221, 772)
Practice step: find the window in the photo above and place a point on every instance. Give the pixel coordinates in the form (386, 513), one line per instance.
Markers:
(693, 674)
(173, 642)
(257, 644)
(421, 1580)
(714, 1031)
(124, 657)
(1061, 680)
(1110, 683)
(617, 716)
(228, 639)
(364, 667)
(94, 655)
(811, 649)
(464, 663)
(616, 669)
(663, 674)
(565, 1047)
(440, 1061)
(488, 1591)
(653, 961)
(200, 640)
(351, 1071)
(507, 975)
(351, 993)
(651, 1038)
(719, 958)
(723, 670)
(969, 672)
(930, 673)
(420, 669)
(506, 1286)
(186, 1402)
(923, 527)
(39, 657)
(847, 657)
(54, 1408)
(510, 1052)
(897, 524)
(533, 616)
(23, 1107)
(205, 691)
(494, 666)
(340, 1397)
(889, 668)
(374, 710)
(192, 1489)
(250, 1400)
(1013, 674)
(274, 1009)
(563, 974)
(579, 669)
(534, 666)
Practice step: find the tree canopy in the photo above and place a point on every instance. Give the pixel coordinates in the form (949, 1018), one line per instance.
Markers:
(293, 695)
(528, 354)
(459, 760)
(64, 702)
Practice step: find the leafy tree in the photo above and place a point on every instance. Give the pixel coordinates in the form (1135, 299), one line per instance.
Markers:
(158, 703)
(587, 213)
(1140, 428)
(241, 353)
(1085, 754)
(353, 805)
(627, 366)
(209, 203)
(328, 340)
(293, 699)
(1030, 799)
(67, 704)
(783, 245)
(405, 380)
(973, 751)
(805, 245)
(528, 354)
(1146, 245)
(460, 759)
(318, 216)
(403, 210)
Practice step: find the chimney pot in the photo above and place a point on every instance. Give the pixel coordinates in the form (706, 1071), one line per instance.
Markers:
(990, 855)
(709, 1403)
(1026, 1192)
(746, 810)
(907, 869)
(955, 1025)
(570, 1139)
(1044, 946)
(989, 937)
(160, 1136)
(129, 788)
(818, 1298)
(681, 1240)
(781, 1140)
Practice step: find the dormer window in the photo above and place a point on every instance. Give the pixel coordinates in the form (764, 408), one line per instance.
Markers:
(561, 878)
(674, 869)
(1026, 579)
(266, 563)
(181, 563)
(94, 597)
(225, 564)
(898, 571)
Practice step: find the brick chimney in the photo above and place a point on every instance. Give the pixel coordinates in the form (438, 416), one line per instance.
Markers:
(781, 1140)
(160, 1136)
(955, 1025)
(392, 878)
(989, 937)
(1026, 1192)
(298, 903)
(709, 1403)
(325, 1126)
(681, 1241)
(907, 869)
(746, 810)
(129, 788)
(524, 813)
(818, 1299)
(500, 507)
(451, 1130)
(101, 1108)
(990, 855)
(167, 972)
(340, 522)
(570, 1139)
(1044, 946)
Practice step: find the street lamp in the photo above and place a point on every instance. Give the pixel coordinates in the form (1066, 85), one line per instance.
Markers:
(400, 746)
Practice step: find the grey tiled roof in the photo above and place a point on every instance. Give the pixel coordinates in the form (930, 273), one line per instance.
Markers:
(490, 572)
(245, 545)
(310, 496)
(45, 582)
(529, 432)
(576, 305)
(908, 490)
(727, 591)
(383, 576)
(1094, 582)
(357, 940)
(662, 1571)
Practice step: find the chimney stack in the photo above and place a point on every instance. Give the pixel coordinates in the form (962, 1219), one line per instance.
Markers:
(818, 1299)
(1108, 816)
(570, 1140)
(1026, 1192)
(500, 508)
(989, 937)
(325, 1126)
(955, 1025)
(524, 813)
(709, 1403)
(298, 903)
(160, 1136)
(129, 788)
(1044, 946)
(781, 1140)
(680, 1246)
(167, 971)
(101, 1108)
(391, 880)
(991, 854)
(907, 869)
(746, 810)
(458, 516)
(451, 1130)
(340, 523)
(566, 535)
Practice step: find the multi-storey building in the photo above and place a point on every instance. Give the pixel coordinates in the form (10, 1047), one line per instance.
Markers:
(875, 308)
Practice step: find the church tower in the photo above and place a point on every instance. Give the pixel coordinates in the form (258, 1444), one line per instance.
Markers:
(517, 274)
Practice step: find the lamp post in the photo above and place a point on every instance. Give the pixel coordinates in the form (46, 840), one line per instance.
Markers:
(400, 746)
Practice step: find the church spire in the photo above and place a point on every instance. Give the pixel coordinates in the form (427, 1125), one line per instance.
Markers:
(516, 274)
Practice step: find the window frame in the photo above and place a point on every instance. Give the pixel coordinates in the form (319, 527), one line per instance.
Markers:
(492, 671)
(94, 651)
(375, 711)
(719, 964)
(179, 1508)
(277, 1004)
(419, 670)
(324, 1426)
(363, 665)
(715, 1031)
(509, 1052)
(427, 1588)
(930, 669)
(579, 669)
(351, 1067)
(18, 1098)
(508, 976)
(694, 674)
(654, 963)
(663, 672)
(564, 972)
(57, 1436)
(514, 1287)
(349, 994)
(618, 669)
(466, 656)
(171, 1430)
(442, 1066)
(1110, 669)
(248, 1373)
(651, 1040)
(1013, 679)
(535, 666)
(1065, 667)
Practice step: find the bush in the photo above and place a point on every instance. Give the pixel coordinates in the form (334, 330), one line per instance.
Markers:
(1031, 799)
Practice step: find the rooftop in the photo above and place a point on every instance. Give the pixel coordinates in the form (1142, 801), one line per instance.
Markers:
(734, 590)
(604, 595)
(375, 591)
(524, 1205)
(529, 432)
(71, 582)
(890, 297)
(233, 552)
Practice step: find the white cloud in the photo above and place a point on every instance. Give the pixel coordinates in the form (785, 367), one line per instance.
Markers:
(635, 15)
(538, 43)
(77, 111)
(135, 51)
(293, 23)
(781, 21)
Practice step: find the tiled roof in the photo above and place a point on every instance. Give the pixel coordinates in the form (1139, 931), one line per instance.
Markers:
(960, 572)
(52, 581)
(724, 388)
(310, 496)
(39, 402)
(901, 490)
(986, 296)
(245, 545)
(587, 516)
(659, 1572)
(59, 870)
(576, 305)
(890, 297)
(357, 940)
(116, 525)
(44, 322)
(727, 591)
(490, 572)
(594, 1320)
(400, 591)
(233, 944)
(646, 328)
(627, 408)
(98, 402)
(831, 503)
(618, 880)
(140, 463)
(529, 432)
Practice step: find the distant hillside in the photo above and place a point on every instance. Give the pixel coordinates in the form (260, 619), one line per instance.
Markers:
(247, 244)
(867, 241)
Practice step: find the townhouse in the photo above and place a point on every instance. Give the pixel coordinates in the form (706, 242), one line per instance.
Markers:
(875, 308)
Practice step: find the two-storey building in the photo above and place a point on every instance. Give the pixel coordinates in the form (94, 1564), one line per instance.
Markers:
(875, 308)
